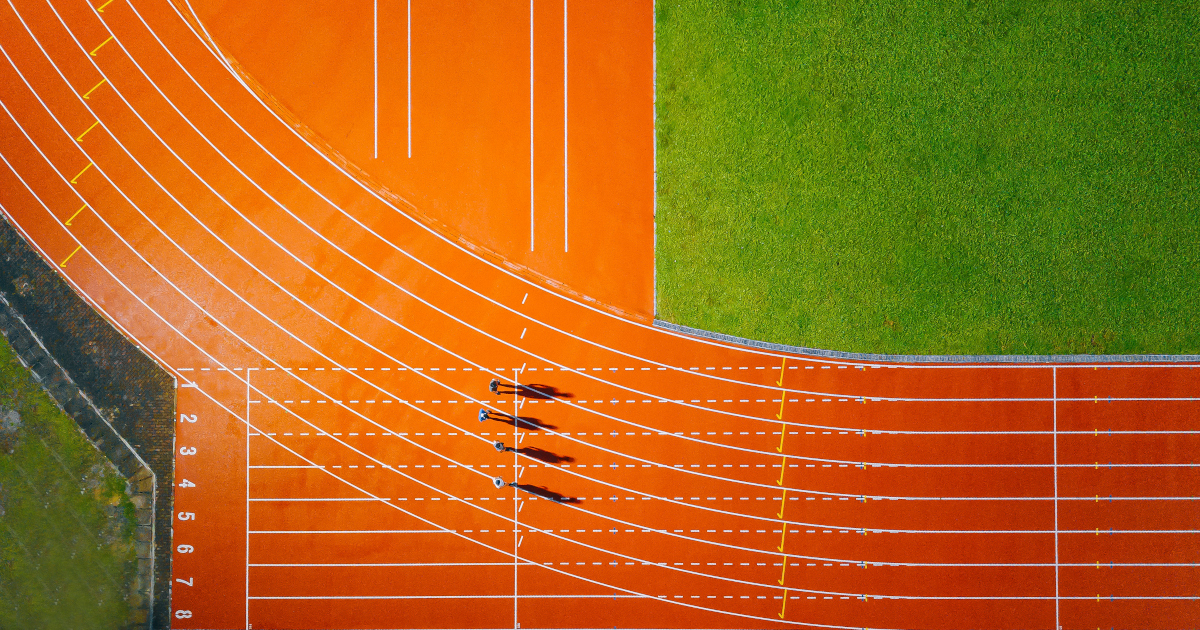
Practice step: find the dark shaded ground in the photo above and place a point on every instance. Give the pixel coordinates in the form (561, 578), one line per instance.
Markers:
(137, 395)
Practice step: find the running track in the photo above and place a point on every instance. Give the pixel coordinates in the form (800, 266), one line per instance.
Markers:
(333, 319)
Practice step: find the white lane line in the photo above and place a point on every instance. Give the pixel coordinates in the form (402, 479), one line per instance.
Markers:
(351, 531)
(857, 596)
(531, 125)
(393, 564)
(1057, 598)
(566, 160)
(248, 425)
(408, 30)
(532, 596)
(305, 499)
(375, 66)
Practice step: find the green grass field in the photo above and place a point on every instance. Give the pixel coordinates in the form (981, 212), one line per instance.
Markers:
(931, 177)
(66, 526)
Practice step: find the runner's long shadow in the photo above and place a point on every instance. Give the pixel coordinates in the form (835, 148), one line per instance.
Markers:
(538, 391)
(544, 493)
(544, 455)
(521, 422)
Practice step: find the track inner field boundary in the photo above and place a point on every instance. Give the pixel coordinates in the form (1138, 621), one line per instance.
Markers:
(932, 358)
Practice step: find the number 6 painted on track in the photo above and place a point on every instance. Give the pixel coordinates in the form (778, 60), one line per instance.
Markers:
(187, 516)
(187, 450)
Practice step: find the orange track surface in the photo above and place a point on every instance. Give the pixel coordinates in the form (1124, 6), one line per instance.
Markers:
(334, 319)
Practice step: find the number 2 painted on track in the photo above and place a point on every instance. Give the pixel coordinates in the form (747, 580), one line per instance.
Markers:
(187, 417)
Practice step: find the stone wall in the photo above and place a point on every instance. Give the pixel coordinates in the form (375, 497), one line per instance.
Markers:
(120, 398)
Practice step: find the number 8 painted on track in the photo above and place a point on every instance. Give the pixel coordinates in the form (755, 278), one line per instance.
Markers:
(183, 614)
(187, 450)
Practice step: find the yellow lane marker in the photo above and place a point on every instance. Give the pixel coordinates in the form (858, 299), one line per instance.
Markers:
(782, 432)
(76, 214)
(781, 575)
(101, 9)
(63, 264)
(782, 393)
(95, 50)
(782, 502)
(782, 538)
(79, 138)
(784, 608)
(782, 468)
(102, 82)
(81, 172)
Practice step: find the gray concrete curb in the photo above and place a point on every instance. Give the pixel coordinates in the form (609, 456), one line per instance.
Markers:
(933, 358)
(106, 439)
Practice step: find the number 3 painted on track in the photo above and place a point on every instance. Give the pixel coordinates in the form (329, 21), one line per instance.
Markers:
(187, 450)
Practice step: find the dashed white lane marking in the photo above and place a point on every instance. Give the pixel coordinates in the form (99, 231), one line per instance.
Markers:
(534, 401)
(466, 369)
